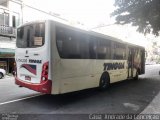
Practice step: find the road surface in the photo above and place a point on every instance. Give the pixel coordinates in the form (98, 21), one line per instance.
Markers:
(126, 97)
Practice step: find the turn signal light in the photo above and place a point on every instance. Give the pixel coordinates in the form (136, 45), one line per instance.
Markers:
(44, 75)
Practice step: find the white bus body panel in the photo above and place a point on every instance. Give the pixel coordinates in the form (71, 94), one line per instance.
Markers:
(77, 74)
(21, 61)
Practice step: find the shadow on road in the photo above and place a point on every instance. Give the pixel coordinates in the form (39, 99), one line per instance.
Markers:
(128, 96)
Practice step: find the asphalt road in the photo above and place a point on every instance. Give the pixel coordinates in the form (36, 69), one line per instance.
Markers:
(126, 97)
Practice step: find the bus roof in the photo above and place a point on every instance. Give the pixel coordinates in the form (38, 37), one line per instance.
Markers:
(96, 34)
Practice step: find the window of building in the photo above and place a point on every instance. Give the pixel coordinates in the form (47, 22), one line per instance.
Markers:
(13, 21)
(1, 19)
(4, 19)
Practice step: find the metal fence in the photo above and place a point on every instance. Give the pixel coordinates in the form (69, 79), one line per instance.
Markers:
(7, 31)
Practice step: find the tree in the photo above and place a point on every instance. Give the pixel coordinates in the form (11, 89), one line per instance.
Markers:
(142, 13)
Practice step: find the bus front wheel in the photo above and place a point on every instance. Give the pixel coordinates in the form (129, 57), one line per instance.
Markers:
(1, 75)
(104, 81)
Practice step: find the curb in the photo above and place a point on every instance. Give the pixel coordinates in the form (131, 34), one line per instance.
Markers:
(153, 107)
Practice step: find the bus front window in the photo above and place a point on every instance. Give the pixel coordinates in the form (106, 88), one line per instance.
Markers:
(31, 36)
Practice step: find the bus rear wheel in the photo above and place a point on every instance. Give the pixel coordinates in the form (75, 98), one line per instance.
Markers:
(104, 81)
(136, 77)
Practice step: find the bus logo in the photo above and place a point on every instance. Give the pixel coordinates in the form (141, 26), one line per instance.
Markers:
(35, 61)
(113, 66)
(30, 68)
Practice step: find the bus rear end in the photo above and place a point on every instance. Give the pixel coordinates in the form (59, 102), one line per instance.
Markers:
(32, 57)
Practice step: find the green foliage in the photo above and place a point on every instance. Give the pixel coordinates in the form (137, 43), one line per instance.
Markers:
(142, 13)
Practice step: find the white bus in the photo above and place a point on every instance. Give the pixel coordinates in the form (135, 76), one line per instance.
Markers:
(55, 58)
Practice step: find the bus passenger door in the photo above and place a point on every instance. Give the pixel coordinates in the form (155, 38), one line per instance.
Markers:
(130, 62)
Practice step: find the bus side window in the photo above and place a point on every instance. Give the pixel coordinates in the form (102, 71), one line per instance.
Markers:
(103, 49)
(92, 47)
(119, 51)
(79, 45)
(84, 45)
(60, 41)
(72, 44)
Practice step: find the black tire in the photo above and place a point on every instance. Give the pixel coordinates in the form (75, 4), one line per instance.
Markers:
(104, 82)
(1, 75)
(136, 77)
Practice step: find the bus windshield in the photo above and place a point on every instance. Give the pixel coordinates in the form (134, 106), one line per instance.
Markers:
(31, 36)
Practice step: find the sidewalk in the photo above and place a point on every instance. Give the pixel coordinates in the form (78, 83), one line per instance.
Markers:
(8, 76)
(153, 107)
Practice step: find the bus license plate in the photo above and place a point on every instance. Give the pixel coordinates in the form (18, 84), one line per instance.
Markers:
(28, 78)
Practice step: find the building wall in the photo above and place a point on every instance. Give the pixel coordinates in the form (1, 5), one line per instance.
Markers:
(18, 12)
(7, 42)
(15, 10)
(10, 18)
(32, 14)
